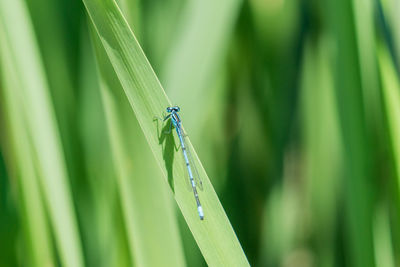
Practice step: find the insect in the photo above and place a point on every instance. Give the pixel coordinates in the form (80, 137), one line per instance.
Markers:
(177, 123)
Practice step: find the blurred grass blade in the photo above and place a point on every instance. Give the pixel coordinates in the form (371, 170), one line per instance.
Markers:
(41, 128)
(54, 46)
(322, 158)
(214, 235)
(139, 184)
(391, 99)
(390, 11)
(37, 234)
(364, 27)
(193, 62)
(382, 236)
(356, 142)
(102, 227)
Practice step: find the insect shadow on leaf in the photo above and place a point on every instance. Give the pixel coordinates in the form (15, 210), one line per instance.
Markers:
(168, 143)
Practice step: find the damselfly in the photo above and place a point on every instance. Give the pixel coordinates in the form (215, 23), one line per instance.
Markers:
(191, 168)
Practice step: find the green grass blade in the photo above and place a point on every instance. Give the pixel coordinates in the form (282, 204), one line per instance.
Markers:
(391, 100)
(390, 11)
(364, 27)
(104, 235)
(192, 65)
(41, 128)
(54, 43)
(390, 86)
(382, 238)
(37, 234)
(139, 184)
(322, 159)
(214, 235)
(356, 140)
(132, 158)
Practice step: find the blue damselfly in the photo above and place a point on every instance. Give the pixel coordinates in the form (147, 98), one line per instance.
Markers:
(191, 168)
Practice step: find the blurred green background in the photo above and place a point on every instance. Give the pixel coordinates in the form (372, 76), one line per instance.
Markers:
(293, 107)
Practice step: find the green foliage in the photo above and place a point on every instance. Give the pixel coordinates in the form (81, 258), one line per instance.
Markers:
(292, 107)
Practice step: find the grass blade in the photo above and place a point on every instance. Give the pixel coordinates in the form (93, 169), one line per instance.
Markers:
(356, 141)
(190, 70)
(41, 128)
(322, 159)
(391, 99)
(104, 235)
(36, 231)
(214, 235)
(138, 183)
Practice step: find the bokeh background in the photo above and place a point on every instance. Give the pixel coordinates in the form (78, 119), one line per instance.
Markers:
(293, 107)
